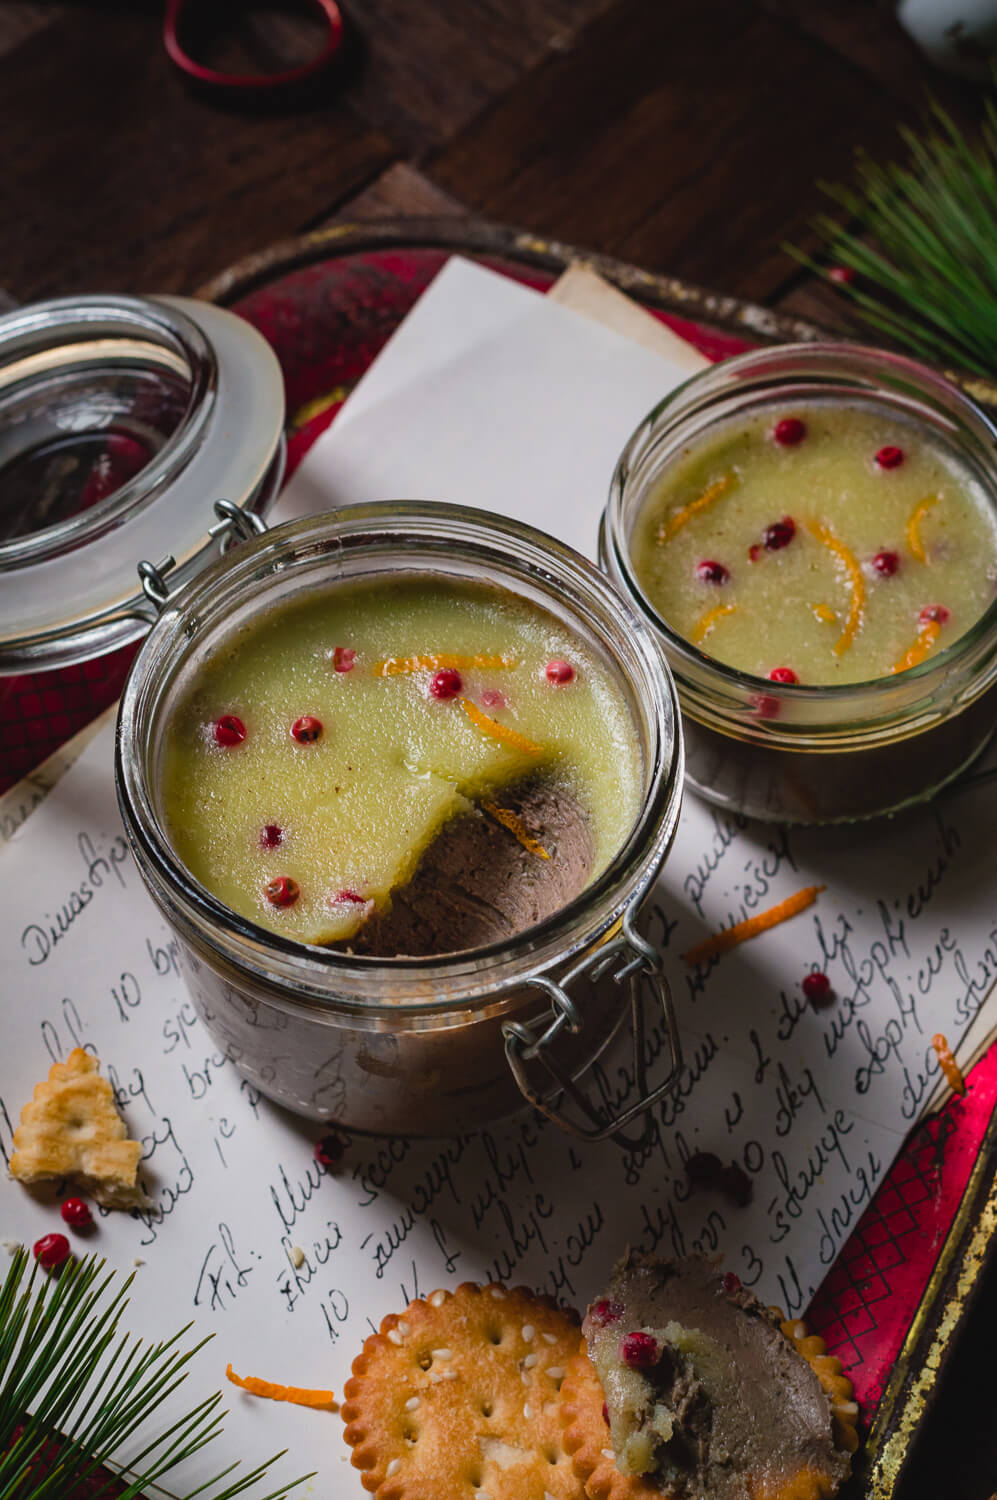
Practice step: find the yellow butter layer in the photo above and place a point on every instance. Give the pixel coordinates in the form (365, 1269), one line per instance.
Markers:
(357, 806)
(764, 606)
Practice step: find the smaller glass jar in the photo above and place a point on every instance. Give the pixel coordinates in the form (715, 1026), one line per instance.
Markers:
(810, 754)
(418, 1046)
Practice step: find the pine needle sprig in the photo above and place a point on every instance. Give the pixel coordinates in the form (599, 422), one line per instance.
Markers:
(75, 1386)
(921, 239)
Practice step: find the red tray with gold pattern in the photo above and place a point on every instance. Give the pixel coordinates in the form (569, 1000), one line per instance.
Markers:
(904, 1284)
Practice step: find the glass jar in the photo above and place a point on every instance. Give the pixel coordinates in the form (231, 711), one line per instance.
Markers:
(121, 420)
(808, 754)
(433, 1045)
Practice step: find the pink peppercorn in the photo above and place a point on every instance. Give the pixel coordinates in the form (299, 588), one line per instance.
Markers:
(816, 986)
(933, 614)
(229, 731)
(731, 1283)
(51, 1251)
(272, 836)
(282, 891)
(789, 432)
(77, 1213)
(886, 564)
(712, 572)
(779, 534)
(639, 1350)
(343, 658)
(890, 457)
(843, 275)
(329, 1151)
(606, 1310)
(306, 730)
(558, 671)
(446, 683)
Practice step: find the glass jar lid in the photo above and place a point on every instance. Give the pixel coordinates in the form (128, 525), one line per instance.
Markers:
(121, 421)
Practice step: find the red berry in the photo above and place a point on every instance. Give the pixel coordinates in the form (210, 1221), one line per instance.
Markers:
(272, 836)
(492, 698)
(783, 674)
(789, 432)
(329, 1151)
(779, 534)
(754, 552)
(639, 1350)
(282, 891)
(51, 1251)
(890, 457)
(606, 1310)
(229, 731)
(703, 1169)
(558, 671)
(816, 986)
(935, 614)
(343, 658)
(843, 275)
(731, 1283)
(446, 683)
(306, 730)
(710, 572)
(886, 563)
(74, 1211)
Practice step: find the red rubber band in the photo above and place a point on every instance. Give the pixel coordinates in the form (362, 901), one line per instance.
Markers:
(259, 81)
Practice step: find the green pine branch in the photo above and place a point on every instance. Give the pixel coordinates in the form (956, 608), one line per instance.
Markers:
(928, 280)
(74, 1386)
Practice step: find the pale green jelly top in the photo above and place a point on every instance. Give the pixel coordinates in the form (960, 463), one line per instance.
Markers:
(346, 816)
(883, 561)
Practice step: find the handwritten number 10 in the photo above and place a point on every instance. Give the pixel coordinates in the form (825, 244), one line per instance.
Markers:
(127, 994)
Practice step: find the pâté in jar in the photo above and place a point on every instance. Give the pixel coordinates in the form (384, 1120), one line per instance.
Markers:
(399, 777)
(812, 531)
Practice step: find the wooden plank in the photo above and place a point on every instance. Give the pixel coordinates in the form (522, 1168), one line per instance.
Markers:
(688, 138)
(117, 176)
(20, 19)
(400, 190)
(428, 70)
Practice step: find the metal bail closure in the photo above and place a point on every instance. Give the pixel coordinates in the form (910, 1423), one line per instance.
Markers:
(640, 965)
(233, 525)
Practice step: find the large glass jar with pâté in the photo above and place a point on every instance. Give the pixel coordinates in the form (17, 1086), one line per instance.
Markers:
(280, 889)
(811, 530)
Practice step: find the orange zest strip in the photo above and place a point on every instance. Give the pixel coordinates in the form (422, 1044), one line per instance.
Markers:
(394, 666)
(668, 528)
(706, 622)
(742, 931)
(297, 1395)
(502, 732)
(951, 1069)
(850, 562)
(824, 613)
(509, 820)
(930, 632)
(917, 515)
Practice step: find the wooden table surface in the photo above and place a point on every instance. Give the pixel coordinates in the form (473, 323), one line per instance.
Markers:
(688, 136)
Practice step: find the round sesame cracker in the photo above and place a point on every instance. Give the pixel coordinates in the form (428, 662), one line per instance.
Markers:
(459, 1396)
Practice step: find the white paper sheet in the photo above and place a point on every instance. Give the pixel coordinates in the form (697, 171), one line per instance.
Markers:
(812, 1104)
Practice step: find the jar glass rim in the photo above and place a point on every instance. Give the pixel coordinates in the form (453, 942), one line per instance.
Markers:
(773, 370)
(70, 333)
(446, 534)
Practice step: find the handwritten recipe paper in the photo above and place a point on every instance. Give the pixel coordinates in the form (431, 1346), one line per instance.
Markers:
(813, 1104)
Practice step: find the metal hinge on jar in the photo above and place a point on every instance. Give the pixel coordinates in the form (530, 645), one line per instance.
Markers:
(639, 965)
(233, 525)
